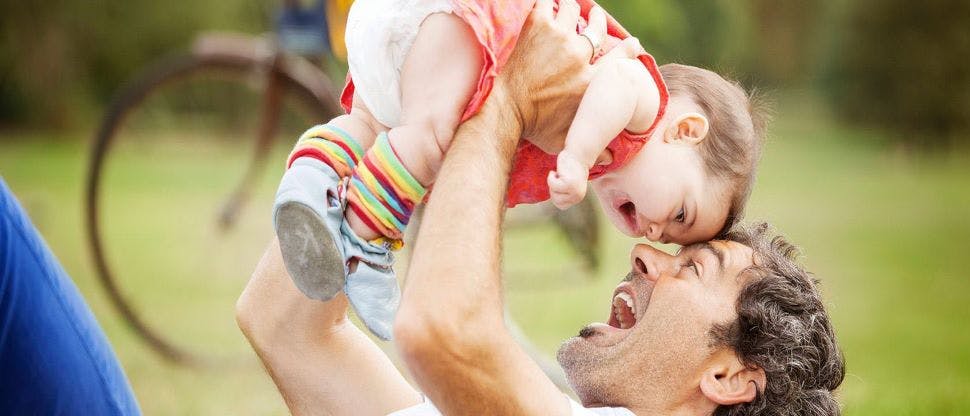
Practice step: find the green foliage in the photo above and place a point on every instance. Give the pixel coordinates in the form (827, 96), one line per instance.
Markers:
(694, 32)
(888, 63)
(57, 56)
(760, 42)
(903, 66)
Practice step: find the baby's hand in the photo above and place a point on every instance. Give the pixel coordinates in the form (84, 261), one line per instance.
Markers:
(567, 184)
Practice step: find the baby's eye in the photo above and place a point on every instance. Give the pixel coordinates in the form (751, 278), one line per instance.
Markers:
(680, 216)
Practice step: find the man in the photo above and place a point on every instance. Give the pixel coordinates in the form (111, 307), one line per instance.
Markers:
(725, 327)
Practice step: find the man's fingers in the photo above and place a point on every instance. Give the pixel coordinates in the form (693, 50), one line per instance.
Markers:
(568, 15)
(629, 48)
(597, 23)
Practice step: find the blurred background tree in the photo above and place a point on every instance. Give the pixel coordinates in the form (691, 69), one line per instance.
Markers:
(904, 68)
(882, 63)
(61, 60)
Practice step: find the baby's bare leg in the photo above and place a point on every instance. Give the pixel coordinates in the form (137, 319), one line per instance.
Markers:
(360, 123)
(439, 76)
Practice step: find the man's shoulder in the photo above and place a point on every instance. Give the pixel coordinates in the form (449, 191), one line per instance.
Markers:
(426, 408)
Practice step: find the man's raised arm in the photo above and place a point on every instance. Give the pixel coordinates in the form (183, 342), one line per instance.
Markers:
(450, 327)
(321, 363)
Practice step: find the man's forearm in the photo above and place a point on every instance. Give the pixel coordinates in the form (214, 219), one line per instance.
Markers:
(450, 327)
(460, 235)
(321, 363)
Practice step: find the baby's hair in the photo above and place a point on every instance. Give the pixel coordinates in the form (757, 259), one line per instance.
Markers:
(736, 130)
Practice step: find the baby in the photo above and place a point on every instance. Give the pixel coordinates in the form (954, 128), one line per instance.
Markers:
(670, 151)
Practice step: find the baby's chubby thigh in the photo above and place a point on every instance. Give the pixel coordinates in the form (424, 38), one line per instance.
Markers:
(439, 77)
(360, 123)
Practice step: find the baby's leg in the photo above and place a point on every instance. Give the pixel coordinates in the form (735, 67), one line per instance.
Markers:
(438, 78)
(306, 214)
(341, 142)
(360, 124)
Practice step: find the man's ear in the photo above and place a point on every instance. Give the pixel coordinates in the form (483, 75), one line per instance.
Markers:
(733, 383)
(689, 128)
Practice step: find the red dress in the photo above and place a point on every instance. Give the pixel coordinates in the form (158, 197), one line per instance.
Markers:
(497, 25)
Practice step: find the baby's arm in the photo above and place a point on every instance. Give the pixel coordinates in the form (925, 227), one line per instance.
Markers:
(621, 95)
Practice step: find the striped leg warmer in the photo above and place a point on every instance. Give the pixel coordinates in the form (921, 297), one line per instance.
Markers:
(383, 193)
(328, 144)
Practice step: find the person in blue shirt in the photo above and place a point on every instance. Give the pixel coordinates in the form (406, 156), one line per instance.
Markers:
(54, 358)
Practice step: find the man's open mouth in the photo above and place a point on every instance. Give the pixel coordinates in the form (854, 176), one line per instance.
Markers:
(625, 312)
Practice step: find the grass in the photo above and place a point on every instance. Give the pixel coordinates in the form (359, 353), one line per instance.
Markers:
(886, 231)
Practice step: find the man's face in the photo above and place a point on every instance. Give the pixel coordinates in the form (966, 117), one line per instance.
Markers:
(657, 341)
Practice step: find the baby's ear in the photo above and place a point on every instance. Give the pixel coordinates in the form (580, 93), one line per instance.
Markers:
(689, 128)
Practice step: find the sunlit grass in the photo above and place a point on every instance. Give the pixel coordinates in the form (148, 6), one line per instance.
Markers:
(887, 232)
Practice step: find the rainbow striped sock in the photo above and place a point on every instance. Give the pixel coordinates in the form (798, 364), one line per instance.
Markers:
(328, 144)
(382, 192)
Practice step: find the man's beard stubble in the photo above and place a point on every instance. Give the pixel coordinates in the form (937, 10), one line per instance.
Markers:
(587, 368)
(582, 368)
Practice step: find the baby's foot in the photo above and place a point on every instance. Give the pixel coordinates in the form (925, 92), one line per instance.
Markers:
(308, 215)
(371, 285)
(567, 184)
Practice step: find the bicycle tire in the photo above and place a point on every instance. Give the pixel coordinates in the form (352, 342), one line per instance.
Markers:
(317, 97)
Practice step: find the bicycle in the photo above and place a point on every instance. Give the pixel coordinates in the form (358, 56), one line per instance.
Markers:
(218, 84)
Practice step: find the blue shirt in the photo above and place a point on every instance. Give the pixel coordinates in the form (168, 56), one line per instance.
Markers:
(54, 358)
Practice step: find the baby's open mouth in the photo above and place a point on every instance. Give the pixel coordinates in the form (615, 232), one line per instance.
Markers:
(628, 210)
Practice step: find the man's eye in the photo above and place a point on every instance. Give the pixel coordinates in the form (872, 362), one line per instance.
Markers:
(693, 266)
(680, 216)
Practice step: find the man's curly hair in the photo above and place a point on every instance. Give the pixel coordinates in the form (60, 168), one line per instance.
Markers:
(782, 328)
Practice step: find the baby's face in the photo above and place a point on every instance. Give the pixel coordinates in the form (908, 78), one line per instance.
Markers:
(663, 194)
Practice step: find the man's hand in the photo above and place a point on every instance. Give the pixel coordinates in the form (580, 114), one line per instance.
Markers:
(547, 73)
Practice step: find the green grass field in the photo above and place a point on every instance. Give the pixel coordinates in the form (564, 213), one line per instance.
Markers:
(886, 231)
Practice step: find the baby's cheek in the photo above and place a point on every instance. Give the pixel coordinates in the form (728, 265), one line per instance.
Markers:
(601, 196)
(599, 187)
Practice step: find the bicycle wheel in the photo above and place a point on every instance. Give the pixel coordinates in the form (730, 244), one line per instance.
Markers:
(179, 152)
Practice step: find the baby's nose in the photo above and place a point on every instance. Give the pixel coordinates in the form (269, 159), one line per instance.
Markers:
(654, 231)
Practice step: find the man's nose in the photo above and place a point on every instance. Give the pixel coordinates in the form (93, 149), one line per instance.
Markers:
(650, 262)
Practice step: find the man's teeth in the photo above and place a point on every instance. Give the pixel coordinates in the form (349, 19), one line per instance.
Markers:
(626, 298)
(623, 310)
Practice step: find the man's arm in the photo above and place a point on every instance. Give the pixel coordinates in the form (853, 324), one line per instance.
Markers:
(321, 363)
(450, 328)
